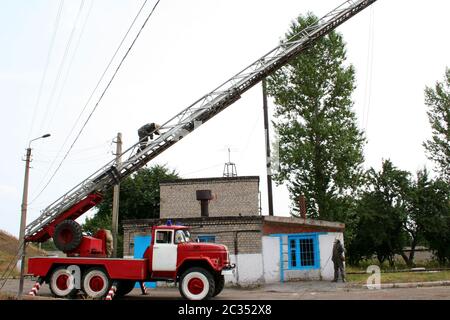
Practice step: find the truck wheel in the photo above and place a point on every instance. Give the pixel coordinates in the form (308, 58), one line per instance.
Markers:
(61, 283)
(124, 287)
(95, 283)
(197, 284)
(67, 236)
(220, 283)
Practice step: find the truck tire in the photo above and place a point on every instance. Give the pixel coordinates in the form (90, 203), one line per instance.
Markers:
(124, 287)
(61, 283)
(197, 284)
(95, 283)
(67, 236)
(219, 285)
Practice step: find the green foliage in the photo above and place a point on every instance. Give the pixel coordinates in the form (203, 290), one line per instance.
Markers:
(432, 215)
(380, 215)
(139, 199)
(320, 146)
(438, 102)
(395, 211)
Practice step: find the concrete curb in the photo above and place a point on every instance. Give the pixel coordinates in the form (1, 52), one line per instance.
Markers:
(408, 285)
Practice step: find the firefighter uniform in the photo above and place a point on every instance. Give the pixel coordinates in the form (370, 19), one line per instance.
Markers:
(147, 131)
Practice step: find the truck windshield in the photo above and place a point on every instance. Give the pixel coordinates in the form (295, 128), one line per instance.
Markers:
(187, 235)
(182, 236)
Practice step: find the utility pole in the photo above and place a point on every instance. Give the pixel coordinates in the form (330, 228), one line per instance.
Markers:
(23, 216)
(268, 159)
(23, 219)
(115, 209)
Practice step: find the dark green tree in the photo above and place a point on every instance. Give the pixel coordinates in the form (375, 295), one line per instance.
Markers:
(432, 215)
(381, 215)
(320, 146)
(438, 148)
(139, 199)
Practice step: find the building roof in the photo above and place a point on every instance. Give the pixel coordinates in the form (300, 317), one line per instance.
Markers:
(270, 224)
(303, 221)
(211, 179)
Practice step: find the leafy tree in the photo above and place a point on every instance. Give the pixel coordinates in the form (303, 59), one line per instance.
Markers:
(438, 102)
(380, 215)
(432, 215)
(320, 146)
(139, 199)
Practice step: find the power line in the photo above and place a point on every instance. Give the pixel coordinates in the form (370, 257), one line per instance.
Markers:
(66, 76)
(61, 65)
(87, 103)
(103, 93)
(369, 71)
(44, 75)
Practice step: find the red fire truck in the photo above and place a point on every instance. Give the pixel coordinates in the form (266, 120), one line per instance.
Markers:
(172, 256)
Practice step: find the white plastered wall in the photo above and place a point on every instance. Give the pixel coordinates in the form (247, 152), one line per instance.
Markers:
(326, 242)
(249, 270)
(271, 258)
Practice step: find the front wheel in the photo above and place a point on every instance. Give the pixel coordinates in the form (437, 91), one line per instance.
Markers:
(197, 284)
(220, 284)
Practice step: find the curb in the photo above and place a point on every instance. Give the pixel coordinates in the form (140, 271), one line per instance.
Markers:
(408, 285)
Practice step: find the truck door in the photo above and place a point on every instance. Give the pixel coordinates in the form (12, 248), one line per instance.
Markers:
(164, 251)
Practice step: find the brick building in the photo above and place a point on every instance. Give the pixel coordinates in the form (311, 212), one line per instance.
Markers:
(265, 249)
(232, 197)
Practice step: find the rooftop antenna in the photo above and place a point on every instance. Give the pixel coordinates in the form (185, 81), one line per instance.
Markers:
(229, 169)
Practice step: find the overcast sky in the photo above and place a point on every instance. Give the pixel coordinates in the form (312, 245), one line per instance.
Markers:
(186, 50)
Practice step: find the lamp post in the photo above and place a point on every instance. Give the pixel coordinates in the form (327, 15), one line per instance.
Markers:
(23, 218)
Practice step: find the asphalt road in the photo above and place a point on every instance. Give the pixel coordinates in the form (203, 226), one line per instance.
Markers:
(288, 291)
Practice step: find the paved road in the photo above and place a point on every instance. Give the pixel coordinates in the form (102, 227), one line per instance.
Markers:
(313, 290)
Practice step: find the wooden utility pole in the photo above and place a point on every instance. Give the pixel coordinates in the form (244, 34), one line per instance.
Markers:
(115, 209)
(268, 160)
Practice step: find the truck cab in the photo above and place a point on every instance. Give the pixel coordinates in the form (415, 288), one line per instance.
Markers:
(198, 268)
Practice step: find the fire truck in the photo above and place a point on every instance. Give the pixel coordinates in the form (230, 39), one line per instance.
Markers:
(197, 268)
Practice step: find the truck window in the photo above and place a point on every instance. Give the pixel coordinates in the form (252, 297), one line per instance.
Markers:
(163, 237)
(179, 236)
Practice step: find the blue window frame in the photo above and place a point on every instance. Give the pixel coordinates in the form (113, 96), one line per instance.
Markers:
(303, 252)
(207, 238)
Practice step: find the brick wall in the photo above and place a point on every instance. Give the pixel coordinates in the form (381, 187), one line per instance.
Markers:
(242, 235)
(233, 197)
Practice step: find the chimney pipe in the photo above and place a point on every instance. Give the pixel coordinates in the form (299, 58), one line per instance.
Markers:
(204, 196)
(302, 206)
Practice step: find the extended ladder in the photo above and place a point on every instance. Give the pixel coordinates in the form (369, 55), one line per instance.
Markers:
(88, 193)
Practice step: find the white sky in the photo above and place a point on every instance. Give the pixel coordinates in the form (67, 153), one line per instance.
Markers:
(186, 50)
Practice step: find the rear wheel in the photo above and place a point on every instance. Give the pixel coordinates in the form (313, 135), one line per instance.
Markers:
(95, 283)
(124, 287)
(197, 284)
(62, 283)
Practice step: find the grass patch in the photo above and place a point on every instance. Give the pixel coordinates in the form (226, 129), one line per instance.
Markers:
(401, 277)
(8, 250)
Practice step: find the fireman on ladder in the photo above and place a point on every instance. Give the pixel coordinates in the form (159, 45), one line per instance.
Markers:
(145, 132)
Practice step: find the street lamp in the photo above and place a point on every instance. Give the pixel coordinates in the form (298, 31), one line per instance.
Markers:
(23, 217)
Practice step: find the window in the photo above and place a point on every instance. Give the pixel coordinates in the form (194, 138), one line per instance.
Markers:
(179, 236)
(163, 237)
(207, 238)
(303, 252)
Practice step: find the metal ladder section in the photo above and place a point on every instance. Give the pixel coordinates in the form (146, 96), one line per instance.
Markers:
(198, 113)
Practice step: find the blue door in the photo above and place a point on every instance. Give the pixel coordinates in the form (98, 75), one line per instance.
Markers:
(140, 245)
